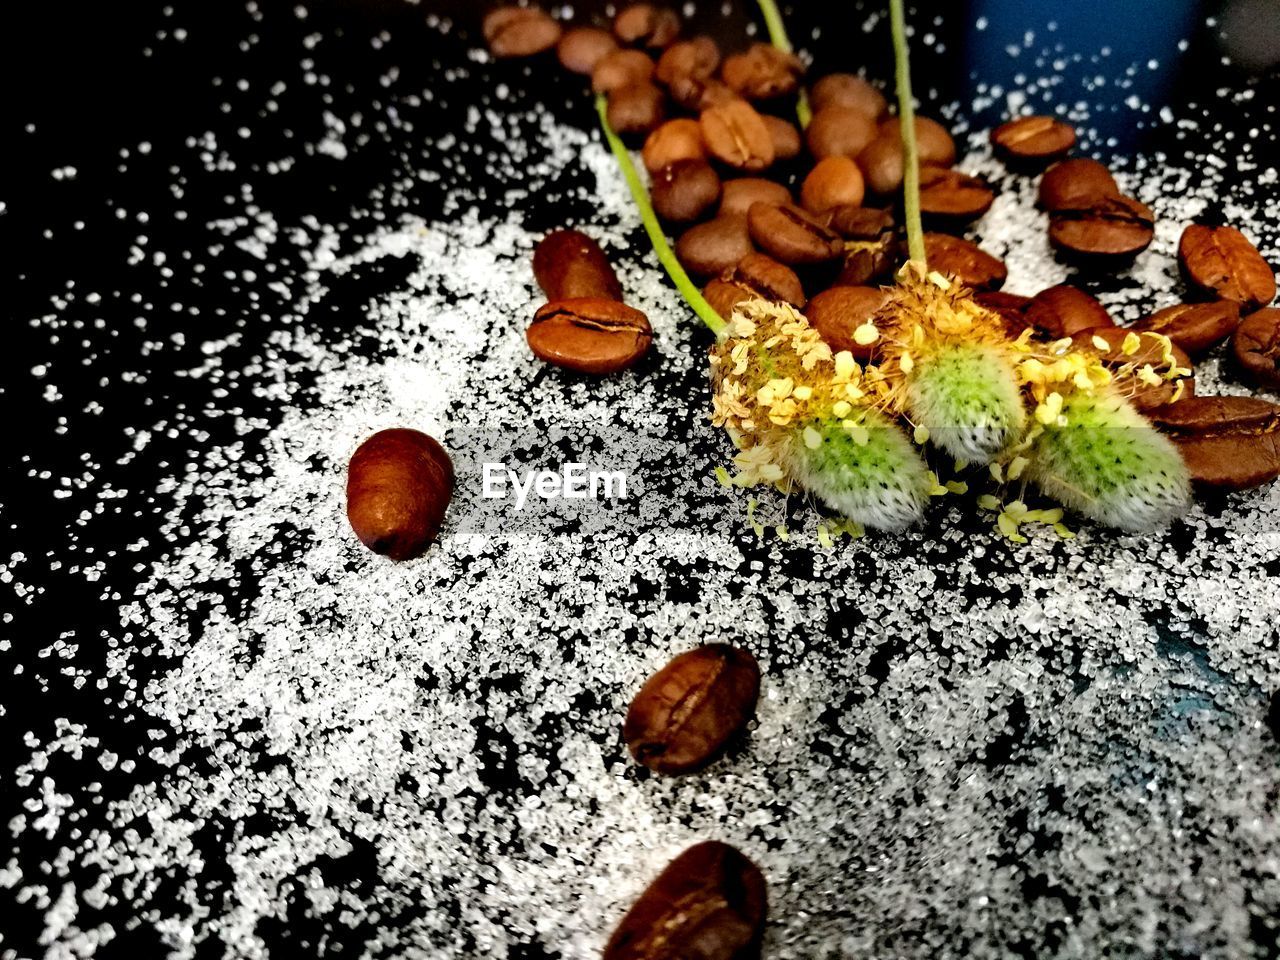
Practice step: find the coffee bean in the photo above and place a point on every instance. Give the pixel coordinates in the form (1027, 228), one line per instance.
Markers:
(1011, 307)
(738, 195)
(768, 278)
(621, 69)
(685, 190)
(1222, 262)
(519, 31)
(696, 93)
(786, 138)
(837, 312)
(399, 483)
(848, 90)
(965, 261)
(581, 49)
(1256, 345)
(1228, 442)
(710, 903)
(589, 334)
(1033, 138)
(1072, 184)
(636, 108)
(645, 25)
(1195, 327)
(860, 223)
(688, 712)
(1112, 355)
(713, 247)
(867, 261)
(1106, 227)
(791, 235)
(882, 159)
(837, 131)
(675, 140)
(736, 134)
(568, 264)
(762, 72)
(698, 57)
(725, 295)
(952, 197)
(933, 142)
(833, 182)
(1064, 310)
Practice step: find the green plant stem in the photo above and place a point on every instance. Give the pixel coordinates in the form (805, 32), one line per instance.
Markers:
(907, 121)
(778, 36)
(663, 249)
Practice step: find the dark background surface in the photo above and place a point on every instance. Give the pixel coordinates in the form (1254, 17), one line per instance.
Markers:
(87, 83)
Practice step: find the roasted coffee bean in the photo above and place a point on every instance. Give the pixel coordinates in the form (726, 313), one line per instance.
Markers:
(867, 261)
(568, 264)
(786, 138)
(1228, 442)
(1108, 344)
(519, 31)
(685, 190)
(738, 195)
(711, 248)
(1256, 345)
(1107, 227)
(725, 295)
(932, 140)
(619, 69)
(581, 49)
(1033, 138)
(645, 25)
(736, 134)
(965, 261)
(675, 140)
(1195, 327)
(696, 93)
(1064, 310)
(833, 182)
(697, 57)
(838, 131)
(637, 108)
(860, 223)
(687, 713)
(399, 483)
(768, 278)
(791, 235)
(1011, 307)
(1073, 184)
(882, 159)
(589, 334)
(1223, 263)
(950, 196)
(710, 903)
(762, 72)
(848, 90)
(837, 312)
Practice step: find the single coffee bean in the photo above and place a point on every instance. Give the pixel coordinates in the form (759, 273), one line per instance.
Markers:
(519, 31)
(1107, 227)
(1011, 308)
(861, 223)
(645, 25)
(687, 713)
(568, 264)
(685, 190)
(965, 261)
(762, 72)
(675, 140)
(711, 248)
(698, 57)
(1256, 345)
(637, 108)
(882, 159)
(725, 295)
(1064, 310)
(1221, 262)
(933, 141)
(589, 334)
(838, 312)
(953, 197)
(738, 195)
(1108, 344)
(696, 93)
(736, 135)
(867, 262)
(581, 49)
(1073, 184)
(619, 69)
(1033, 138)
(1232, 443)
(786, 138)
(848, 90)
(399, 483)
(1195, 327)
(710, 903)
(768, 278)
(838, 131)
(834, 182)
(791, 235)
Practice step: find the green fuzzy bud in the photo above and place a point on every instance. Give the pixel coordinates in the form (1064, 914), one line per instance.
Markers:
(967, 396)
(871, 473)
(1110, 464)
